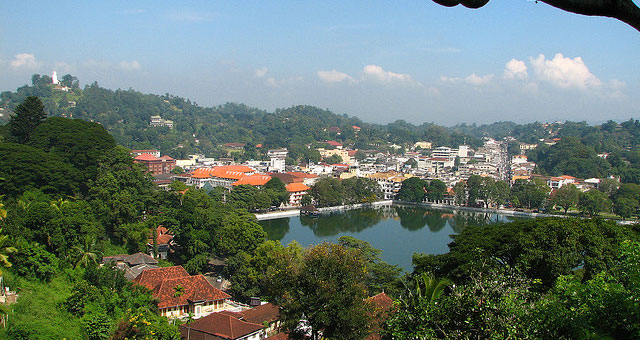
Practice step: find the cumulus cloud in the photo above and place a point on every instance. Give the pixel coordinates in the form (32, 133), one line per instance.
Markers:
(564, 72)
(516, 69)
(333, 76)
(129, 65)
(26, 60)
(379, 73)
(261, 72)
(382, 75)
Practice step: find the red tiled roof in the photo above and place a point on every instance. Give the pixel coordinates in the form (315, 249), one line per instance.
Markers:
(382, 304)
(146, 157)
(255, 180)
(340, 165)
(152, 278)
(352, 153)
(279, 336)
(259, 314)
(195, 288)
(302, 174)
(297, 187)
(355, 127)
(221, 325)
(167, 158)
(334, 143)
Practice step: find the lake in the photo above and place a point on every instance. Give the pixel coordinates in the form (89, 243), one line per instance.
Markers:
(399, 231)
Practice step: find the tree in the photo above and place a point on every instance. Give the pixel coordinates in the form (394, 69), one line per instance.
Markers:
(333, 159)
(542, 248)
(277, 190)
(85, 254)
(566, 197)
(327, 192)
(381, 276)
(413, 189)
(593, 201)
(529, 194)
(5, 251)
(326, 290)
(623, 10)
(436, 190)
(27, 116)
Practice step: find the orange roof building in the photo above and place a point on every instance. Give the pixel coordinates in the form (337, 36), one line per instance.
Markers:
(256, 180)
(179, 293)
(296, 191)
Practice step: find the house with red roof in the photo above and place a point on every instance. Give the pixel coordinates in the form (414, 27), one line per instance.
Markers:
(162, 243)
(253, 324)
(335, 144)
(179, 293)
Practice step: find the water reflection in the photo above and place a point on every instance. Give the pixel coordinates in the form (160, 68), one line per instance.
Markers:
(353, 221)
(276, 229)
(411, 218)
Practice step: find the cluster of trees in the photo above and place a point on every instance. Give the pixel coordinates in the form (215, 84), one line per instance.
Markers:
(543, 278)
(69, 196)
(331, 191)
(417, 190)
(273, 194)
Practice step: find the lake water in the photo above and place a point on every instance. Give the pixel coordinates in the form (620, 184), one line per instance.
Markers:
(399, 231)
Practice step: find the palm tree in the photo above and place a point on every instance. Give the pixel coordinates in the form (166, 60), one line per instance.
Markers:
(430, 288)
(85, 254)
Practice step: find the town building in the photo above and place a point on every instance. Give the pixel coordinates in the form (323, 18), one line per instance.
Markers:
(296, 191)
(179, 293)
(156, 165)
(157, 121)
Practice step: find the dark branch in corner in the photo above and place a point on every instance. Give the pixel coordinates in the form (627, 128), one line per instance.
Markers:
(623, 10)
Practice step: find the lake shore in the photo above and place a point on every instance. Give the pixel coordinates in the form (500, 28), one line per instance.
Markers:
(507, 212)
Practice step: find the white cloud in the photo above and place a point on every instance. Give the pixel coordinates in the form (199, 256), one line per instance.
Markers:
(261, 72)
(564, 72)
(477, 80)
(26, 60)
(472, 79)
(379, 73)
(129, 65)
(333, 76)
(516, 69)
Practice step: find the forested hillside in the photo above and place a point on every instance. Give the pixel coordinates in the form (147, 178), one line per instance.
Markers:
(126, 115)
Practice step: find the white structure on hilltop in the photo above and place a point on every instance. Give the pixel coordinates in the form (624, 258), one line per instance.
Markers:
(54, 78)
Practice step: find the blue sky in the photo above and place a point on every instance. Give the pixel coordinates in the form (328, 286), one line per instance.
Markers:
(377, 60)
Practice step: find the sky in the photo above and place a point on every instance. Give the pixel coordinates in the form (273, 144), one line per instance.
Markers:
(380, 61)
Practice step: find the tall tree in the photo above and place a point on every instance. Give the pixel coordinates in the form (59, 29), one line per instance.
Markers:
(566, 197)
(327, 291)
(27, 116)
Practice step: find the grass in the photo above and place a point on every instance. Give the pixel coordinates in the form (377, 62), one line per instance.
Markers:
(37, 314)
